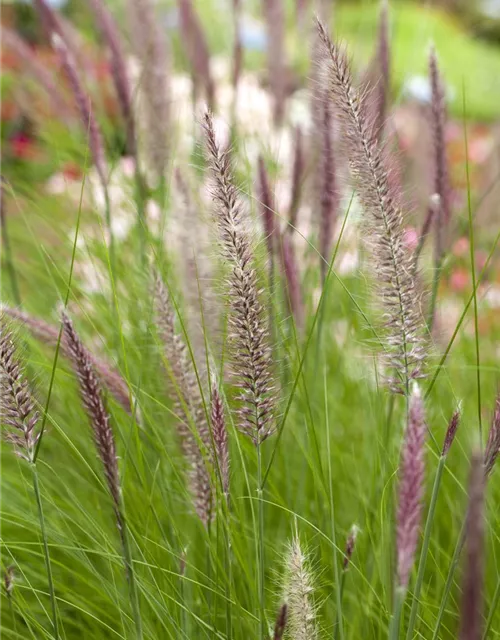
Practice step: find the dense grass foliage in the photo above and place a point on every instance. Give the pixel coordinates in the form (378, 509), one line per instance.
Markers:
(277, 460)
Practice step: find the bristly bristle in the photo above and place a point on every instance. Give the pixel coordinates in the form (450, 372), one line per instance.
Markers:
(219, 433)
(84, 106)
(411, 487)
(91, 395)
(328, 193)
(192, 424)
(151, 48)
(280, 626)
(292, 276)
(393, 261)
(266, 206)
(472, 601)
(298, 595)
(249, 337)
(111, 36)
(17, 406)
(274, 15)
(49, 334)
(438, 123)
(493, 445)
(297, 179)
(451, 432)
(195, 43)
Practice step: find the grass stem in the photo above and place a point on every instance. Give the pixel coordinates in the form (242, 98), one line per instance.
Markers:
(129, 569)
(48, 566)
(395, 625)
(263, 631)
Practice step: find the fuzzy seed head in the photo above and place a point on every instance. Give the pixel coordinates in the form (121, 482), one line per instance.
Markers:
(393, 262)
(298, 595)
(192, 425)
(411, 487)
(249, 337)
(451, 432)
(93, 403)
(219, 433)
(493, 445)
(17, 406)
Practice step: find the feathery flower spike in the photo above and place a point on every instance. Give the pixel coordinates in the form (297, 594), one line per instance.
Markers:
(438, 124)
(17, 406)
(188, 403)
(297, 179)
(350, 545)
(219, 434)
(111, 36)
(292, 276)
(280, 626)
(328, 198)
(451, 432)
(471, 614)
(493, 444)
(249, 341)
(271, 229)
(411, 487)
(91, 395)
(84, 106)
(298, 595)
(393, 261)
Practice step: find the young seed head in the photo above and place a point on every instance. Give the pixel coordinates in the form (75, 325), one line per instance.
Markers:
(493, 445)
(280, 626)
(298, 595)
(219, 433)
(91, 395)
(350, 545)
(451, 432)
(17, 406)
(411, 487)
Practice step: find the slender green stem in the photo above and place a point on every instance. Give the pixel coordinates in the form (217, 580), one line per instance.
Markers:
(8, 251)
(493, 608)
(341, 590)
(48, 565)
(473, 274)
(425, 547)
(134, 596)
(263, 633)
(339, 627)
(449, 582)
(228, 568)
(395, 625)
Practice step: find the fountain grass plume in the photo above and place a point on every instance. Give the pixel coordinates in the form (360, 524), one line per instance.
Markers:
(441, 184)
(195, 43)
(297, 179)
(49, 334)
(93, 403)
(411, 487)
(280, 625)
(274, 15)
(192, 424)
(151, 48)
(248, 332)
(493, 444)
(111, 37)
(383, 60)
(19, 416)
(410, 497)
(17, 405)
(83, 104)
(402, 316)
(220, 438)
(472, 602)
(298, 594)
(328, 191)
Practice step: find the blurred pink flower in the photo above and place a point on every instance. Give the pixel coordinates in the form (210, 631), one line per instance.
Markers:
(481, 257)
(461, 247)
(459, 280)
(411, 238)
